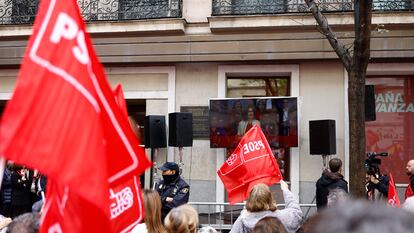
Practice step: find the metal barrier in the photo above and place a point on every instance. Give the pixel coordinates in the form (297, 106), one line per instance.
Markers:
(221, 216)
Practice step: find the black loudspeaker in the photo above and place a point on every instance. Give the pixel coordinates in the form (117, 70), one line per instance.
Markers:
(370, 103)
(322, 137)
(180, 129)
(155, 133)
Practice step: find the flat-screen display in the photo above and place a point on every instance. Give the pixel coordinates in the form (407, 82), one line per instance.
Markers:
(231, 118)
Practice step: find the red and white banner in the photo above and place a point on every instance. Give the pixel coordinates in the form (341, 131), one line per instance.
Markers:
(63, 120)
(252, 162)
(393, 199)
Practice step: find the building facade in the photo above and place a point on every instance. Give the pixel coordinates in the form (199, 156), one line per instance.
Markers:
(175, 55)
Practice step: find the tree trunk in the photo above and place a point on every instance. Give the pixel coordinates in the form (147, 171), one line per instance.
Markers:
(356, 110)
(356, 65)
(356, 96)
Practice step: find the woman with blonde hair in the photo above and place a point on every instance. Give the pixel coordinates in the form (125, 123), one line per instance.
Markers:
(152, 221)
(183, 219)
(261, 204)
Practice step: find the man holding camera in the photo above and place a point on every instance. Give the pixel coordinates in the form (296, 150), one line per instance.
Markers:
(409, 192)
(377, 186)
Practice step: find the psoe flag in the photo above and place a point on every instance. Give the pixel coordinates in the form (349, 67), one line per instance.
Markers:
(63, 119)
(393, 199)
(252, 162)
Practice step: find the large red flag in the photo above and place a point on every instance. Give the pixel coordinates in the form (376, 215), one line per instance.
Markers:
(252, 162)
(393, 199)
(63, 119)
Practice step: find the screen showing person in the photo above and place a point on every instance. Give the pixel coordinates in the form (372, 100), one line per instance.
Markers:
(231, 118)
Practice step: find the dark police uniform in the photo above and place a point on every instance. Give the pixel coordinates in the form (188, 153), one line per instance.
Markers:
(179, 190)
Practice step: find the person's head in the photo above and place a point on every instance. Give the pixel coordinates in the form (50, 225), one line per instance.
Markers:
(261, 105)
(269, 225)
(170, 171)
(25, 223)
(337, 196)
(409, 204)
(207, 229)
(260, 199)
(410, 167)
(335, 165)
(250, 114)
(152, 204)
(183, 219)
(363, 217)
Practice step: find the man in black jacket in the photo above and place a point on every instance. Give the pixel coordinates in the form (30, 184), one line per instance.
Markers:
(331, 179)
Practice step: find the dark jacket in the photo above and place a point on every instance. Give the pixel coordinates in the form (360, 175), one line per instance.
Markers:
(21, 195)
(381, 187)
(6, 187)
(179, 190)
(327, 182)
(412, 182)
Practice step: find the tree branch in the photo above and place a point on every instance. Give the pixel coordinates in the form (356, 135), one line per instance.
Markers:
(338, 47)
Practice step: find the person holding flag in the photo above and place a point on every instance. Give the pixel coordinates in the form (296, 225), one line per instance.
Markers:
(261, 204)
(247, 173)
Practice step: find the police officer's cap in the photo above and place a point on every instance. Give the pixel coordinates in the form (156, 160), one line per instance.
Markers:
(169, 166)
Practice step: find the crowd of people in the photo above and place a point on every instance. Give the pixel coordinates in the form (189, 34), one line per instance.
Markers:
(22, 191)
(167, 211)
(337, 211)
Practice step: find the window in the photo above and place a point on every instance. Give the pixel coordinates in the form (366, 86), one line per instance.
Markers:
(393, 130)
(262, 87)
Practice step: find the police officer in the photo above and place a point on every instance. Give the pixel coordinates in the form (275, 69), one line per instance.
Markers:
(173, 190)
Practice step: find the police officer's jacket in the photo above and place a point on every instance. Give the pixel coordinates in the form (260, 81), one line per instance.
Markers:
(179, 190)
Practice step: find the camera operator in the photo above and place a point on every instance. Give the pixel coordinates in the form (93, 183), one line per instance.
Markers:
(376, 184)
(377, 188)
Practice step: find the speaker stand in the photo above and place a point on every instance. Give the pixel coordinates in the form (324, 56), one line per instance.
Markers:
(154, 170)
(325, 160)
(181, 164)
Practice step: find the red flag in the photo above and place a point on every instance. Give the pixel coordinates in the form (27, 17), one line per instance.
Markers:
(393, 199)
(65, 211)
(63, 119)
(120, 99)
(252, 162)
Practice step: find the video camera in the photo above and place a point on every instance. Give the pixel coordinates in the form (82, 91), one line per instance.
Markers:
(372, 163)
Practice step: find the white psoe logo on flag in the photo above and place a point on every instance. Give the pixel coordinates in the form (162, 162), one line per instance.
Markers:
(121, 201)
(231, 159)
(67, 28)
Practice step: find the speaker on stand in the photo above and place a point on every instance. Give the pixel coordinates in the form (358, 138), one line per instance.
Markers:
(155, 137)
(180, 133)
(322, 141)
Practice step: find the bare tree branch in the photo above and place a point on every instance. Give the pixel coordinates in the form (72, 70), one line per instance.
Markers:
(338, 47)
